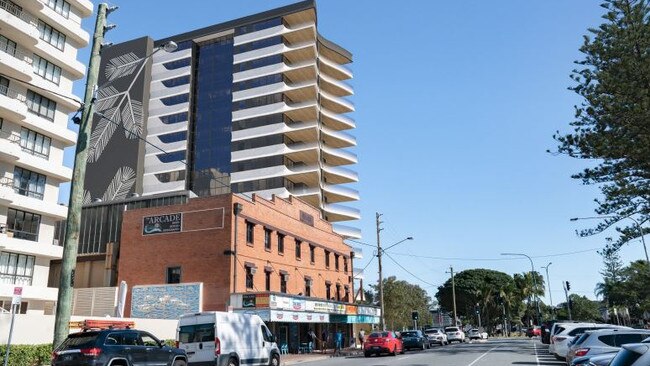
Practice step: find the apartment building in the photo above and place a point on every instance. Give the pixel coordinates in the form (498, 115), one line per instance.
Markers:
(253, 105)
(39, 40)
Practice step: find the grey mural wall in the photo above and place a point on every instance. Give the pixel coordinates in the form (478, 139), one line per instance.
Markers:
(116, 148)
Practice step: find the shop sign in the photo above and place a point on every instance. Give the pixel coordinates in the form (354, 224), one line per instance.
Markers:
(162, 224)
(280, 302)
(248, 301)
(339, 309)
(354, 319)
(323, 307)
(264, 314)
(262, 300)
(298, 317)
(367, 310)
(350, 309)
(298, 305)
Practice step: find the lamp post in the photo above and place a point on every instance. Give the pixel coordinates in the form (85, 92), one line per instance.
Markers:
(532, 274)
(636, 223)
(73, 221)
(380, 251)
(548, 284)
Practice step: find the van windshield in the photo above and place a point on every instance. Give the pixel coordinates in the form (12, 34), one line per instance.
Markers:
(196, 333)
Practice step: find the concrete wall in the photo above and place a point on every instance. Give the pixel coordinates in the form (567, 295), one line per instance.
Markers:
(39, 329)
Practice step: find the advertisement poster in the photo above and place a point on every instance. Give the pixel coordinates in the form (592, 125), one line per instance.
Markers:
(162, 224)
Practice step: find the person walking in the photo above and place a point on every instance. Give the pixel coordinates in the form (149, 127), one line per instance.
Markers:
(324, 338)
(362, 337)
(312, 340)
(338, 342)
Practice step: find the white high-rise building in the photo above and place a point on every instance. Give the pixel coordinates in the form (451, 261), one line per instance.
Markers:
(39, 40)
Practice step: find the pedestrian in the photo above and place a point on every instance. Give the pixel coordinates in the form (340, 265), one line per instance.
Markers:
(324, 337)
(338, 342)
(362, 337)
(312, 339)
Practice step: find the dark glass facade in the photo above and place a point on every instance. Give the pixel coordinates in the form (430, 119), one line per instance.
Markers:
(174, 118)
(212, 117)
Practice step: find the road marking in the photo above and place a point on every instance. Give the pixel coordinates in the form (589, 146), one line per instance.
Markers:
(483, 355)
(536, 356)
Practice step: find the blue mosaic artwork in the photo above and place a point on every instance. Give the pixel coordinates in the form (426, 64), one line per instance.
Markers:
(165, 301)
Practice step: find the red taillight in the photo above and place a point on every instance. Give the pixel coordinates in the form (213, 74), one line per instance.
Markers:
(581, 352)
(54, 354)
(217, 346)
(91, 352)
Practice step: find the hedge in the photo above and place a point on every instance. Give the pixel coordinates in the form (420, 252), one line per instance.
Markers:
(27, 354)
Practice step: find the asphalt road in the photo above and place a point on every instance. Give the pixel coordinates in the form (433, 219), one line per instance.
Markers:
(497, 352)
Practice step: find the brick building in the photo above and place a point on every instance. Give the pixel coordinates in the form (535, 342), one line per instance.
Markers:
(201, 256)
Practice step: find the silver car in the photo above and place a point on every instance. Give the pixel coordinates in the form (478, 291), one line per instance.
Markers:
(604, 341)
(634, 354)
(436, 336)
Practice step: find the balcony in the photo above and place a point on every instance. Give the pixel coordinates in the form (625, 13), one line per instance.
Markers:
(335, 213)
(333, 69)
(348, 232)
(302, 91)
(339, 175)
(305, 152)
(15, 63)
(337, 193)
(337, 157)
(12, 104)
(299, 131)
(10, 149)
(335, 104)
(302, 111)
(67, 26)
(358, 252)
(41, 207)
(337, 139)
(36, 248)
(17, 23)
(49, 128)
(6, 190)
(293, 52)
(335, 87)
(336, 121)
(357, 272)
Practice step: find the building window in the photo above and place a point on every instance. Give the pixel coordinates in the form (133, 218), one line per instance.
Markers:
(338, 292)
(171, 176)
(267, 280)
(4, 85)
(6, 306)
(336, 262)
(177, 64)
(328, 290)
(46, 69)
(174, 118)
(34, 143)
(250, 230)
(181, 80)
(175, 99)
(298, 249)
(23, 225)
(346, 298)
(7, 46)
(60, 6)
(16, 269)
(174, 275)
(280, 243)
(173, 137)
(283, 282)
(172, 156)
(40, 105)
(267, 239)
(327, 259)
(250, 271)
(28, 183)
(312, 254)
(51, 35)
(307, 286)
(345, 264)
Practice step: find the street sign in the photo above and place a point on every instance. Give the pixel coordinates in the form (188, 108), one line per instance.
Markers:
(17, 298)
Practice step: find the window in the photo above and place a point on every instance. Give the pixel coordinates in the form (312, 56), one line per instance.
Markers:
(283, 282)
(338, 292)
(173, 275)
(173, 137)
(260, 62)
(257, 82)
(60, 6)
(177, 64)
(257, 101)
(23, 225)
(336, 262)
(46, 69)
(307, 286)
(623, 338)
(250, 232)
(256, 45)
(172, 156)
(266, 334)
(181, 80)
(328, 290)
(298, 249)
(249, 277)
(28, 183)
(51, 35)
(6, 305)
(174, 118)
(267, 280)
(267, 239)
(280, 243)
(175, 99)
(312, 253)
(147, 340)
(16, 269)
(34, 143)
(346, 298)
(327, 259)
(40, 105)
(345, 264)
(258, 26)
(7, 45)
(4, 85)
(171, 176)
(196, 332)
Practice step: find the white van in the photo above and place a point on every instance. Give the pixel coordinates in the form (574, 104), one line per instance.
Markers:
(226, 339)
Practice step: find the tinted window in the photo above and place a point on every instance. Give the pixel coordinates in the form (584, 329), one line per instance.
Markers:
(181, 80)
(79, 340)
(625, 358)
(622, 339)
(378, 335)
(451, 329)
(608, 339)
(174, 118)
(409, 334)
(578, 331)
(177, 64)
(196, 333)
(173, 137)
(559, 330)
(581, 338)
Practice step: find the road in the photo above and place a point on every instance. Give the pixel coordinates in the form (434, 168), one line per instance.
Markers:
(497, 352)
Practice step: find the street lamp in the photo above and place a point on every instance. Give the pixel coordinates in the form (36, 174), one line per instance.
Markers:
(636, 223)
(532, 274)
(380, 251)
(548, 283)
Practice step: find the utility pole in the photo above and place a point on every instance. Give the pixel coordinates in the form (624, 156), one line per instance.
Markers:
(566, 287)
(548, 284)
(453, 292)
(382, 324)
(71, 242)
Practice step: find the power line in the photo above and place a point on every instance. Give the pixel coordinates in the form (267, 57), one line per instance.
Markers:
(496, 259)
(407, 271)
(364, 268)
(44, 89)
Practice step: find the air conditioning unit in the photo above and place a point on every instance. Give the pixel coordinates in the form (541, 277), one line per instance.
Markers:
(253, 270)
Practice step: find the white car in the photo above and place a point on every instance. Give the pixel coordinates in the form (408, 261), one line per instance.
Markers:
(455, 334)
(436, 336)
(218, 338)
(568, 331)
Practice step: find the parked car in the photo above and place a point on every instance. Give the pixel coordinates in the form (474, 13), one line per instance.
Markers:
(560, 341)
(602, 359)
(474, 334)
(533, 332)
(382, 342)
(455, 334)
(223, 338)
(436, 336)
(546, 331)
(604, 341)
(633, 354)
(116, 346)
(414, 339)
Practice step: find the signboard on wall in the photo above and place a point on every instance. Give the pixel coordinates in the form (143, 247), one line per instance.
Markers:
(165, 301)
(248, 301)
(298, 317)
(162, 224)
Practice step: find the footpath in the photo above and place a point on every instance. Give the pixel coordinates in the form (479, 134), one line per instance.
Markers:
(293, 359)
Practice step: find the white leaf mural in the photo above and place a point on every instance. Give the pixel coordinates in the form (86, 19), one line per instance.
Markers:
(121, 184)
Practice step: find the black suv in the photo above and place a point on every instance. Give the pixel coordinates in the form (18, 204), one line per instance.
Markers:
(116, 347)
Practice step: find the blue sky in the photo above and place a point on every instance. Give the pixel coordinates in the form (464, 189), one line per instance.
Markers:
(456, 104)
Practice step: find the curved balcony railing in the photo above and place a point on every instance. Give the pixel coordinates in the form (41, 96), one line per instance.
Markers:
(18, 12)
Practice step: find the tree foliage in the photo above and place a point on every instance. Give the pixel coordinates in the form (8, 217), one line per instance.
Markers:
(400, 299)
(582, 309)
(611, 124)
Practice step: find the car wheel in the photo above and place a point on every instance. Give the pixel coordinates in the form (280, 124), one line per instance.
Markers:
(394, 352)
(183, 363)
(275, 360)
(233, 362)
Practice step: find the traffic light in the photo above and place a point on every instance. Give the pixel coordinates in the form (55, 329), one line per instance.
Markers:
(568, 286)
(415, 315)
(477, 309)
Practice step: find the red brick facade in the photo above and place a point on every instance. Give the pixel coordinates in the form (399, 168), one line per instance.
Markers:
(202, 249)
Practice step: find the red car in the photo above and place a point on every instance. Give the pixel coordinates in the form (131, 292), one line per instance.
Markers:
(533, 332)
(383, 342)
